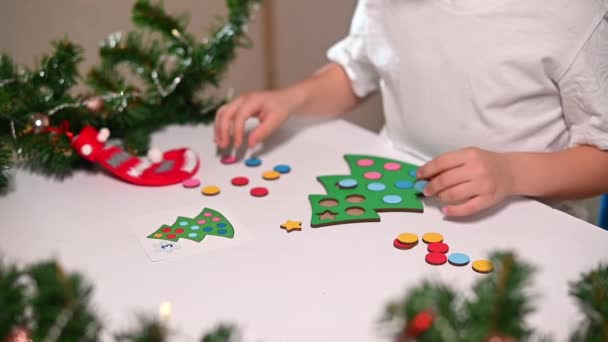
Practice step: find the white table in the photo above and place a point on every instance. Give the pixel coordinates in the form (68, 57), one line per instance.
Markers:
(324, 284)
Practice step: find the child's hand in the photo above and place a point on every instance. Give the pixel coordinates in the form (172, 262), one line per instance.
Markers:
(271, 108)
(468, 180)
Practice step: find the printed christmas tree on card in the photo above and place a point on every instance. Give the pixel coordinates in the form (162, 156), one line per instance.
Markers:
(375, 184)
(208, 222)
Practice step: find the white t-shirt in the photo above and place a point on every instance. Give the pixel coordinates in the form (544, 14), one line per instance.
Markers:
(502, 75)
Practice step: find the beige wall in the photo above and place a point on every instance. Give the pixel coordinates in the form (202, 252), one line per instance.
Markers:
(303, 29)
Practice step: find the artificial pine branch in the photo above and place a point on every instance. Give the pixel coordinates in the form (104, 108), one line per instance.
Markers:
(500, 304)
(169, 95)
(499, 307)
(591, 293)
(153, 16)
(60, 305)
(223, 333)
(6, 160)
(148, 329)
(12, 299)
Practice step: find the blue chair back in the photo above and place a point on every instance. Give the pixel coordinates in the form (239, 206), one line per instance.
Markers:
(603, 219)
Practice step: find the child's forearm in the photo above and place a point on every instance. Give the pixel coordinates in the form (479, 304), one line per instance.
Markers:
(327, 93)
(578, 172)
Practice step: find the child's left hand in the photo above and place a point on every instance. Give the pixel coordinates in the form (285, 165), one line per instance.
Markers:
(468, 180)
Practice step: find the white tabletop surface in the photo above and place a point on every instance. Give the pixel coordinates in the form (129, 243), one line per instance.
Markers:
(320, 284)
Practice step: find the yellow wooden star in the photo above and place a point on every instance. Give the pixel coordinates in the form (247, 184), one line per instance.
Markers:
(292, 225)
(158, 235)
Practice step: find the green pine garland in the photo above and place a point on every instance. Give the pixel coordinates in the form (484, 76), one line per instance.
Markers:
(173, 66)
(45, 301)
(499, 306)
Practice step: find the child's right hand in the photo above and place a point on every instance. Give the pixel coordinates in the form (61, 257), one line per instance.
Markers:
(272, 108)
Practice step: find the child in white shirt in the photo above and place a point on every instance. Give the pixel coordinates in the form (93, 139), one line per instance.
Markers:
(504, 97)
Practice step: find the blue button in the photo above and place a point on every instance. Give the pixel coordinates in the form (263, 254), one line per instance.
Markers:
(195, 227)
(253, 162)
(183, 223)
(413, 173)
(348, 183)
(208, 229)
(404, 184)
(192, 235)
(420, 185)
(392, 199)
(459, 259)
(221, 225)
(282, 168)
(376, 186)
(222, 231)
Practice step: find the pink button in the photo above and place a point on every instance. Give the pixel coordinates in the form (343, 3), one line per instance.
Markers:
(201, 221)
(392, 166)
(365, 162)
(216, 219)
(372, 175)
(207, 214)
(191, 183)
(229, 160)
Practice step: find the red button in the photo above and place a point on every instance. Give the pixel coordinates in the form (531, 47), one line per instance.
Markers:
(400, 245)
(179, 230)
(240, 181)
(171, 236)
(436, 258)
(166, 230)
(259, 192)
(438, 247)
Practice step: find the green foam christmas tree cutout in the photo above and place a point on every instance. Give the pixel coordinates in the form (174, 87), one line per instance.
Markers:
(375, 184)
(208, 222)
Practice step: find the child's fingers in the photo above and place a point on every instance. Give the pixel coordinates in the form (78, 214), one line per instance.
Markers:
(246, 110)
(441, 164)
(264, 129)
(216, 125)
(467, 208)
(447, 180)
(224, 122)
(458, 193)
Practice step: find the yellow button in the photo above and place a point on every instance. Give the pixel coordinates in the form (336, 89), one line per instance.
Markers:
(483, 266)
(211, 190)
(271, 175)
(432, 237)
(407, 238)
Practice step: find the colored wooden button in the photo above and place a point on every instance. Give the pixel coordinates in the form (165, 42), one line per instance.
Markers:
(432, 237)
(191, 183)
(392, 166)
(420, 185)
(229, 160)
(211, 190)
(459, 259)
(400, 245)
(436, 259)
(271, 175)
(392, 199)
(259, 192)
(483, 266)
(282, 168)
(373, 175)
(240, 181)
(365, 162)
(376, 186)
(253, 162)
(348, 183)
(404, 184)
(408, 238)
(438, 247)
(413, 173)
